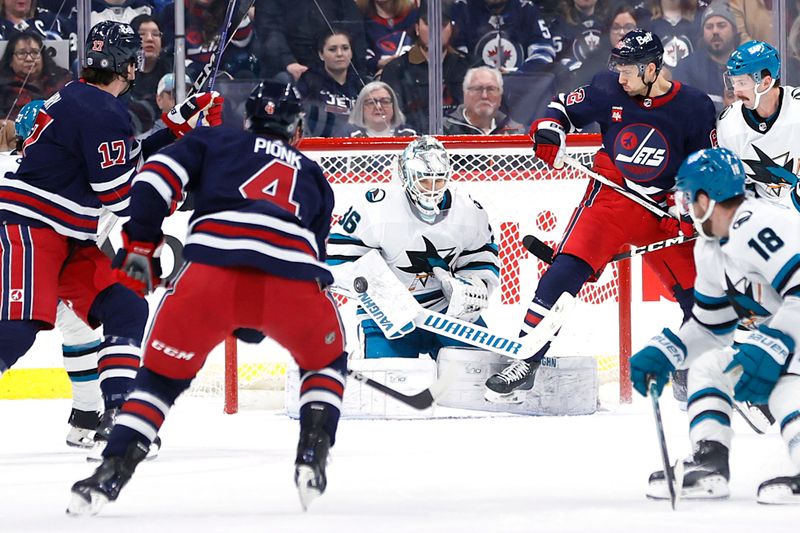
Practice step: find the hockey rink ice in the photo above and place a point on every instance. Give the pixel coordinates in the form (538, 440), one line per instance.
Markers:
(223, 473)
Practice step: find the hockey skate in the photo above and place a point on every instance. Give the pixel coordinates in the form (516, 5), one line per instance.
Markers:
(312, 458)
(90, 495)
(512, 384)
(780, 491)
(82, 427)
(104, 431)
(705, 475)
(757, 416)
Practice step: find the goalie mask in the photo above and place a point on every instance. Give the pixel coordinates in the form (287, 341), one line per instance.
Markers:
(425, 171)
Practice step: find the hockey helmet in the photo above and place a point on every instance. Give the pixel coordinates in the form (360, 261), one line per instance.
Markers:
(26, 118)
(753, 58)
(718, 172)
(425, 171)
(113, 46)
(640, 48)
(274, 108)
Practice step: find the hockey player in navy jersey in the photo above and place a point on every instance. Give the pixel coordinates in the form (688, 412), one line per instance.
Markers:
(762, 126)
(79, 159)
(748, 246)
(649, 125)
(256, 251)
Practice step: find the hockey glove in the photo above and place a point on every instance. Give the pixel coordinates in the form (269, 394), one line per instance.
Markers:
(661, 356)
(676, 224)
(184, 116)
(549, 142)
(761, 357)
(137, 265)
(466, 296)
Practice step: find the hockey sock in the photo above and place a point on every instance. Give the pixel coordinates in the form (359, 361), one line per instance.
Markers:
(790, 431)
(709, 412)
(16, 338)
(143, 413)
(567, 274)
(323, 388)
(80, 362)
(117, 364)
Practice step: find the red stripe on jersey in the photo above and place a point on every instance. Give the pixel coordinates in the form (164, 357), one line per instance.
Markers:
(265, 235)
(319, 381)
(16, 300)
(146, 411)
(165, 173)
(118, 361)
(50, 211)
(115, 195)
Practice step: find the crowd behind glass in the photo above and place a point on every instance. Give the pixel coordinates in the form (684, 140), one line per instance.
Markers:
(361, 65)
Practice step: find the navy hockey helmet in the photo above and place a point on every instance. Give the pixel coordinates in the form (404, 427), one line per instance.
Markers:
(274, 108)
(113, 46)
(640, 48)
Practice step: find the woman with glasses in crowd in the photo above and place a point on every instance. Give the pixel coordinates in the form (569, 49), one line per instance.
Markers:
(27, 72)
(376, 114)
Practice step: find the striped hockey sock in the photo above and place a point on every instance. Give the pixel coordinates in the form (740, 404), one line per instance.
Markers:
(80, 362)
(325, 388)
(118, 361)
(710, 416)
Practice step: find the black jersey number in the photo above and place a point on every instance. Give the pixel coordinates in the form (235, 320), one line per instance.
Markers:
(767, 243)
(274, 183)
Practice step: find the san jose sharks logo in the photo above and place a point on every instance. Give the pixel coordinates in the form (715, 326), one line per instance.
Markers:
(744, 301)
(422, 263)
(776, 172)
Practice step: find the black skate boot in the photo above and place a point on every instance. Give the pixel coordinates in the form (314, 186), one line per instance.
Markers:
(91, 494)
(102, 434)
(82, 426)
(512, 384)
(783, 490)
(312, 458)
(705, 475)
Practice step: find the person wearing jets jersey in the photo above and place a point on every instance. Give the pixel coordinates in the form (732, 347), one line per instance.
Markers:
(762, 126)
(748, 245)
(435, 239)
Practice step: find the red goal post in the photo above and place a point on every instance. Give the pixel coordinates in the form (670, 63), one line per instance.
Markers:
(521, 196)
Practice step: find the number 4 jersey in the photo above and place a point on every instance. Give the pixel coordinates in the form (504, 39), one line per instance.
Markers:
(258, 202)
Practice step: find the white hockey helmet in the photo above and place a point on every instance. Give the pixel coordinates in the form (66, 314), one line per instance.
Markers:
(425, 171)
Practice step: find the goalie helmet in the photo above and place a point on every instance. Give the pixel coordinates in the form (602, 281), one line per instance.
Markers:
(274, 108)
(113, 46)
(425, 171)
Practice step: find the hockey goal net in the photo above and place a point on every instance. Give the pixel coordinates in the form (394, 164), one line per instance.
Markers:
(521, 196)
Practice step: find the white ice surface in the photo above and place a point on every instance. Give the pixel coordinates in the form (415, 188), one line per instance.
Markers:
(221, 473)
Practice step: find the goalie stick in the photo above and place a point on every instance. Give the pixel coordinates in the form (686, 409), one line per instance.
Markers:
(547, 254)
(672, 475)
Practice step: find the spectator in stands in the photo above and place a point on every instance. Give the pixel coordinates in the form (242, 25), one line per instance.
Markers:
(408, 74)
(580, 30)
(24, 16)
(119, 10)
(510, 35)
(204, 20)
(389, 28)
(289, 31)
(705, 67)
(141, 99)
(674, 22)
(330, 87)
(792, 71)
(27, 72)
(480, 113)
(165, 98)
(376, 114)
(753, 20)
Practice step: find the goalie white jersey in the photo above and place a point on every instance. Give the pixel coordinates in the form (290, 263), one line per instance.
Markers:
(768, 148)
(459, 240)
(752, 277)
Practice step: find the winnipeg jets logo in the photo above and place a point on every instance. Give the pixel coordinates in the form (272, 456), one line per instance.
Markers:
(641, 152)
(497, 50)
(423, 262)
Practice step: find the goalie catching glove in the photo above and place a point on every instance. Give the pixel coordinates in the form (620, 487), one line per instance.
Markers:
(466, 296)
(184, 116)
(137, 264)
(549, 142)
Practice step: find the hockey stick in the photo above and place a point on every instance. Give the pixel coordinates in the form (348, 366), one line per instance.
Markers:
(547, 254)
(468, 332)
(421, 400)
(673, 475)
(630, 195)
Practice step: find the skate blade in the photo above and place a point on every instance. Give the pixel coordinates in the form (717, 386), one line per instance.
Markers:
(513, 397)
(80, 506)
(307, 492)
(709, 488)
(778, 495)
(80, 438)
(83, 444)
(155, 448)
(95, 455)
